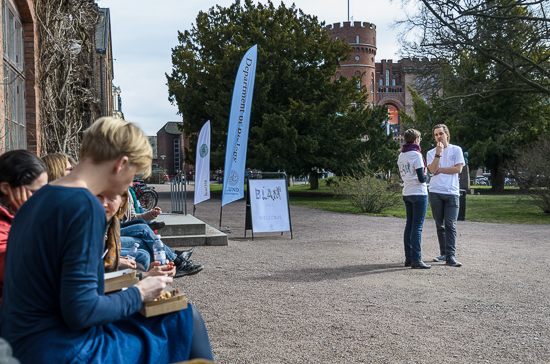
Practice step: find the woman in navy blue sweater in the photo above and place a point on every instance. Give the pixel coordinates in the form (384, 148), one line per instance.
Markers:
(54, 307)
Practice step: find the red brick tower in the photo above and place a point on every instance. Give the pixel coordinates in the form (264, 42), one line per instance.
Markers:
(362, 38)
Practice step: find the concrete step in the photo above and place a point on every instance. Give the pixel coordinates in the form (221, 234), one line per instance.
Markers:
(186, 230)
(179, 224)
(211, 237)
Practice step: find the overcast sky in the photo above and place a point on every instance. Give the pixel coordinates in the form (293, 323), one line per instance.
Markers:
(144, 33)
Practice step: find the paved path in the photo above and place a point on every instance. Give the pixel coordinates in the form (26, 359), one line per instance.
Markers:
(338, 293)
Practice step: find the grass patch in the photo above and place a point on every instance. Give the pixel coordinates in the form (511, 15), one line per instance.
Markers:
(507, 208)
(513, 209)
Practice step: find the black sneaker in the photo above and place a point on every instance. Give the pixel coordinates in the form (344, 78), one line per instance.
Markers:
(187, 268)
(408, 262)
(184, 254)
(156, 225)
(440, 258)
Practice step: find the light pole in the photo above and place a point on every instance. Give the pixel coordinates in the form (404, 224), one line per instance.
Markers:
(163, 169)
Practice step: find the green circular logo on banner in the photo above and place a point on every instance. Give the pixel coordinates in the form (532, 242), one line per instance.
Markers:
(233, 178)
(203, 151)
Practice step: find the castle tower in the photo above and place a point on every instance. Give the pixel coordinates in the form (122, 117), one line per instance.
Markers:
(362, 38)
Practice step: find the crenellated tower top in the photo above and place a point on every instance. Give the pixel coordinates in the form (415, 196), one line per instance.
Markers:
(361, 36)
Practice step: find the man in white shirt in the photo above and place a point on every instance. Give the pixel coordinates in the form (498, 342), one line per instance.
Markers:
(445, 161)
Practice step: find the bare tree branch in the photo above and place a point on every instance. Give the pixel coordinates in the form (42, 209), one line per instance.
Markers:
(68, 99)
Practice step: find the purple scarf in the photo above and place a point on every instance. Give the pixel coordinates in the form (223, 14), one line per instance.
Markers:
(407, 147)
(410, 147)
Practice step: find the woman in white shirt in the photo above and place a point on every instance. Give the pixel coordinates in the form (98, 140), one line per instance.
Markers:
(415, 195)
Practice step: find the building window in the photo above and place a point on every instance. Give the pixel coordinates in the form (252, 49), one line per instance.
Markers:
(393, 82)
(177, 161)
(387, 77)
(336, 38)
(381, 82)
(356, 39)
(14, 129)
(356, 58)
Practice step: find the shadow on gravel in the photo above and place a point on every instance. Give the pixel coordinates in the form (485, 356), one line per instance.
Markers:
(332, 273)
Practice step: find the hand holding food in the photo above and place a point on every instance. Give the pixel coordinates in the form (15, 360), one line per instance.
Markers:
(156, 211)
(155, 269)
(152, 287)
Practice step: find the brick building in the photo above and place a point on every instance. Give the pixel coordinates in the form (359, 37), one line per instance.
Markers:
(386, 80)
(169, 142)
(19, 91)
(20, 126)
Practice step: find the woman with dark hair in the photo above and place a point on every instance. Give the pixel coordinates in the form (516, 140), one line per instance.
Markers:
(21, 174)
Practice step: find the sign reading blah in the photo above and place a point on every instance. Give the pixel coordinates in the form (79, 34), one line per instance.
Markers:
(269, 205)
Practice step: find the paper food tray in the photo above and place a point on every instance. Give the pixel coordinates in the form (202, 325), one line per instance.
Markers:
(161, 307)
(120, 281)
(119, 273)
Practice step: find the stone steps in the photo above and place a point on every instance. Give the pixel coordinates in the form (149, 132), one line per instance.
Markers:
(187, 230)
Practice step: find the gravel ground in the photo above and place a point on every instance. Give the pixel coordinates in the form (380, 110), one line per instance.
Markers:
(338, 292)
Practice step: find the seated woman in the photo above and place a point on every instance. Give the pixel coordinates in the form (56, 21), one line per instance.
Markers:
(58, 165)
(55, 309)
(21, 174)
(114, 208)
(115, 257)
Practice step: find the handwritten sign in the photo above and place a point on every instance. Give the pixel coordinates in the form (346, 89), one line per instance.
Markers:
(269, 205)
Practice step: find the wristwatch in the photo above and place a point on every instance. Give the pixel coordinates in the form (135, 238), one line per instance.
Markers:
(437, 156)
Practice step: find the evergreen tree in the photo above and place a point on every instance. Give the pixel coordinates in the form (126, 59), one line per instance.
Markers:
(301, 120)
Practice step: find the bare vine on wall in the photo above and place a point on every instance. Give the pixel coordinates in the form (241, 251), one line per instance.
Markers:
(68, 101)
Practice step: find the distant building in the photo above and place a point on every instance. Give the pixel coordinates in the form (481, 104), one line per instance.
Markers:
(386, 81)
(169, 142)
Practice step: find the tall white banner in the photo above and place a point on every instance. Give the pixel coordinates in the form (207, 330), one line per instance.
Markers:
(202, 165)
(237, 133)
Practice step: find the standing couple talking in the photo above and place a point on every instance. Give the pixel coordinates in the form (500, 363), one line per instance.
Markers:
(445, 162)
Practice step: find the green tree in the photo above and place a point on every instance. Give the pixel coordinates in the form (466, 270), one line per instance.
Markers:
(301, 120)
(492, 110)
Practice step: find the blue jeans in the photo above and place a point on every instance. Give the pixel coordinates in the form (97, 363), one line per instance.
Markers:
(416, 207)
(143, 257)
(445, 213)
(146, 238)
